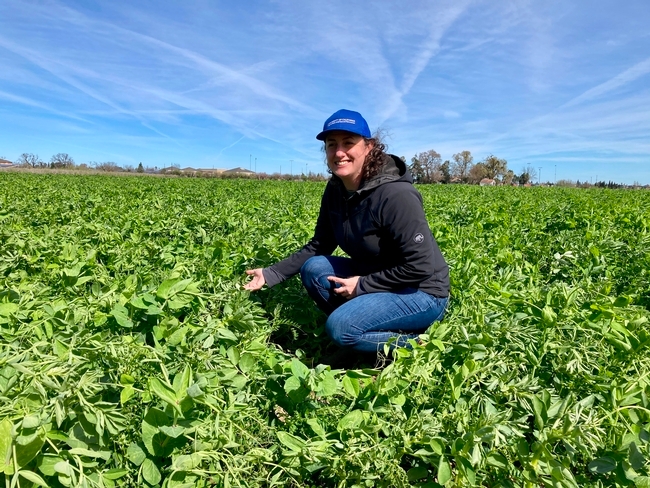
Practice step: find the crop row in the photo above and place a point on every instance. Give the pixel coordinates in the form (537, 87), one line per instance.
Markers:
(131, 356)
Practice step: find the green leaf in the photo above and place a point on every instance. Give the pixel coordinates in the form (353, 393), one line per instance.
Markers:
(31, 422)
(602, 465)
(351, 386)
(115, 473)
(444, 471)
(172, 431)
(6, 309)
(33, 477)
(135, 454)
(150, 472)
(417, 473)
(165, 392)
(126, 394)
(5, 445)
(182, 382)
(46, 464)
(497, 460)
(327, 385)
(64, 468)
(156, 442)
(351, 421)
(317, 427)
(637, 459)
(292, 384)
(27, 451)
(154, 310)
(227, 334)
(121, 315)
(165, 289)
(642, 482)
(194, 391)
(186, 462)
(246, 362)
(80, 451)
(541, 416)
(126, 379)
(299, 369)
(290, 441)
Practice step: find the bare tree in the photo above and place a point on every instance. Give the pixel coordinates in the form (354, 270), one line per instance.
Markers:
(29, 159)
(462, 164)
(476, 173)
(61, 160)
(107, 166)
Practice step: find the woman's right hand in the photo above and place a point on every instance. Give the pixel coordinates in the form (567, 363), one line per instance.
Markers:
(258, 280)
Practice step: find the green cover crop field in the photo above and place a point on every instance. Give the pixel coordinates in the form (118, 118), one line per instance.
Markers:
(130, 355)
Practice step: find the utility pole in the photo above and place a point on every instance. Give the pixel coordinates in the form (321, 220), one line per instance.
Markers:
(256, 165)
(291, 161)
(250, 166)
(539, 177)
(555, 182)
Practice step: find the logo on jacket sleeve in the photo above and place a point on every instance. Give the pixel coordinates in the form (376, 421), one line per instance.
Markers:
(418, 238)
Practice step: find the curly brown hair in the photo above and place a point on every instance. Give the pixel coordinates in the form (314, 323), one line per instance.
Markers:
(375, 159)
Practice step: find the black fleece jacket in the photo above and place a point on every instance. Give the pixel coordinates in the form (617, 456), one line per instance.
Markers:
(382, 227)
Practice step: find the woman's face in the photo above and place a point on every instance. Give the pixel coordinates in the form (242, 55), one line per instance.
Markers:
(346, 152)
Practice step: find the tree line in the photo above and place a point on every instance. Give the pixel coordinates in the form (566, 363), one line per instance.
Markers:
(428, 167)
(64, 161)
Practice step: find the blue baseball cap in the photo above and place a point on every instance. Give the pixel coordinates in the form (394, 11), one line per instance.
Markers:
(346, 120)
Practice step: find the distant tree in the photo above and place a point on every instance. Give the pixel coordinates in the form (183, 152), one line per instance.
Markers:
(29, 159)
(566, 183)
(477, 172)
(462, 164)
(61, 160)
(416, 169)
(495, 168)
(426, 167)
(140, 168)
(108, 166)
(509, 177)
(445, 168)
(527, 175)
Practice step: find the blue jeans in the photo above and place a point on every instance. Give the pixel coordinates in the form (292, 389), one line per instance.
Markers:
(367, 322)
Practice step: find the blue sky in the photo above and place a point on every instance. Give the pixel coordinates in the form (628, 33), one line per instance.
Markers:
(560, 85)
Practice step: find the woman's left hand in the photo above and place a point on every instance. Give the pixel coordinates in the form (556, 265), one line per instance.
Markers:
(348, 288)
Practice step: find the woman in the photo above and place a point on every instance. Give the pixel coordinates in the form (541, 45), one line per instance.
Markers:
(395, 282)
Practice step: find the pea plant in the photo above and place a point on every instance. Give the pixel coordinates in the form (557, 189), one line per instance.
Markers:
(130, 355)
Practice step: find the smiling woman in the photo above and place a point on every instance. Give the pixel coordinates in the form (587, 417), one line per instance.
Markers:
(395, 282)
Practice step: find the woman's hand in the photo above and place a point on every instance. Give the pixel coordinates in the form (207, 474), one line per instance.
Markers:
(348, 288)
(258, 280)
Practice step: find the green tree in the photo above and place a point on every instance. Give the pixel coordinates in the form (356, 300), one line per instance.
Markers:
(140, 168)
(416, 169)
(427, 165)
(495, 168)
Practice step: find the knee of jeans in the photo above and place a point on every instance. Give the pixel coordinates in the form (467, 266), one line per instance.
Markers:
(311, 268)
(341, 332)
